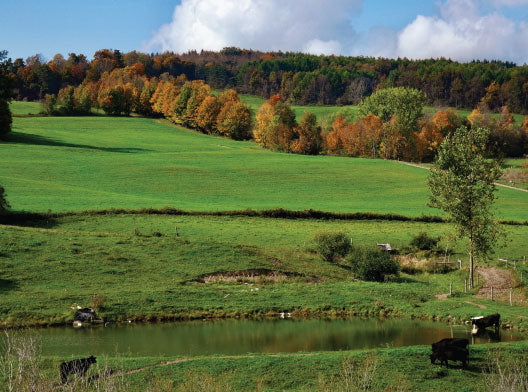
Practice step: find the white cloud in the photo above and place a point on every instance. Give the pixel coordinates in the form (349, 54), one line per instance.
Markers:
(317, 26)
(461, 33)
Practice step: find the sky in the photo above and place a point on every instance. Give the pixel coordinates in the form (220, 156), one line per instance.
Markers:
(458, 29)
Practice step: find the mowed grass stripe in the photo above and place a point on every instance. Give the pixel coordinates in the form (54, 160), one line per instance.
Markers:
(103, 162)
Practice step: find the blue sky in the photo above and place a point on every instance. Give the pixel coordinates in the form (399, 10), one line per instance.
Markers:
(498, 29)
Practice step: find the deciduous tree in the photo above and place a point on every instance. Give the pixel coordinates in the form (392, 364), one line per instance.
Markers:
(462, 184)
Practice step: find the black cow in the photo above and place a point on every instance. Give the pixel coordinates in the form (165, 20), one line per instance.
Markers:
(85, 314)
(448, 342)
(80, 366)
(484, 322)
(452, 353)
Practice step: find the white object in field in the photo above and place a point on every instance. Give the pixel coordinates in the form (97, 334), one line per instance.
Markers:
(386, 247)
(77, 324)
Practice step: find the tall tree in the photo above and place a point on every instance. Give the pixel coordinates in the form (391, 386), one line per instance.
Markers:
(405, 104)
(6, 94)
(462, 184)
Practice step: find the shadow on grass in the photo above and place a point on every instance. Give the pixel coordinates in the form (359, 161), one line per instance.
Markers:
(7, 285)
(28, 219)
(28, 138)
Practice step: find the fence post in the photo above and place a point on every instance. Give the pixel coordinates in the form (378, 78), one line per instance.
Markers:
(492, 293)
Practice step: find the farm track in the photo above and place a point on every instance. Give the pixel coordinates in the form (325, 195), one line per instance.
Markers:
(428, 168)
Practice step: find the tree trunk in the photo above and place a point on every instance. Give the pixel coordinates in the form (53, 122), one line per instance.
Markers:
(470, 269)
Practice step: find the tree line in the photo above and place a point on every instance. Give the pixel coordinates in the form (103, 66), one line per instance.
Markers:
(390, 124)
(298, 78)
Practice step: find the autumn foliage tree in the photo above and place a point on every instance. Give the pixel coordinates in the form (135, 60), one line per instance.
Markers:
(275, 124)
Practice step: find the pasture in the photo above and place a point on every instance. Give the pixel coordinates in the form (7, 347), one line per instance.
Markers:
(24, 108)
(385, 369)
(80, 163)
(154, 267)
(160, 263)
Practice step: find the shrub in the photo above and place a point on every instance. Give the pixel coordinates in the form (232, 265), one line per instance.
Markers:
(4, 205)
(423, 242)
(332, 244)
(372, 264)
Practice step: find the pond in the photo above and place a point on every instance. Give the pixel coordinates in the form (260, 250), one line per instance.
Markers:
(249, 336)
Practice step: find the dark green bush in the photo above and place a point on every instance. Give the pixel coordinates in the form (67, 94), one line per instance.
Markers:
(423, 242)
(372, 264)
(332, 244)
(4, 205)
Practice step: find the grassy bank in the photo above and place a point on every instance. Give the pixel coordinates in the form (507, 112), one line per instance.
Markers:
(400, 369)
(181, 267)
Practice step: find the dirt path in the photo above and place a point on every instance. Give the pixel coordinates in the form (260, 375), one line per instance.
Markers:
(428, 168)
(499, 279)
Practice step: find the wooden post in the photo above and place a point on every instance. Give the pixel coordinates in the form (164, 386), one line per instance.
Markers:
(450, 288)
(492, 293)
(511, 297)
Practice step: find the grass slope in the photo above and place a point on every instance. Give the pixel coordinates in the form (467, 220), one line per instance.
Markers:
(24, 108)
(77, 163)
(145, 272)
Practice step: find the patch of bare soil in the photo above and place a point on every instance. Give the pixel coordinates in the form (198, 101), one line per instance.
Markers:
(441, 297)
(501, 281)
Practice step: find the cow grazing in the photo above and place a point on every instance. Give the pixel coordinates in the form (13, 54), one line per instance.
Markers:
(451, 353)
(480, 323)
(80, 366)
(448, 342)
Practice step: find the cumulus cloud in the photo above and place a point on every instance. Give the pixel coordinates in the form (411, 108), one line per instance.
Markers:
(316, 26)
(460, 32)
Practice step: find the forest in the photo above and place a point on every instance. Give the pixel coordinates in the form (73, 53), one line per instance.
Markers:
(390, 122)
(298, 78)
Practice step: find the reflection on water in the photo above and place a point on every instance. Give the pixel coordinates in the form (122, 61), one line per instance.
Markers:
(244, 336)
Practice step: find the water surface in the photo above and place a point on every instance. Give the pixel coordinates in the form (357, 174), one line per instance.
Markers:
(249, 336)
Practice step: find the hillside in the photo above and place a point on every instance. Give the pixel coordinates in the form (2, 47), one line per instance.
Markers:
(63, 164)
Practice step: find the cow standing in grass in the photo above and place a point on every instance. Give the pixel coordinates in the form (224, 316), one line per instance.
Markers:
(450, 353)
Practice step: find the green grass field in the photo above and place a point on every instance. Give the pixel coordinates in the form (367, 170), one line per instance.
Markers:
(79, 163)
(386, 369)
(25, 108)
(45, 270)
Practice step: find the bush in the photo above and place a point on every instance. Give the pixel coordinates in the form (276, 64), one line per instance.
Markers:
(4, 205)
(331, 245)
(423, 242)
(372, 264)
